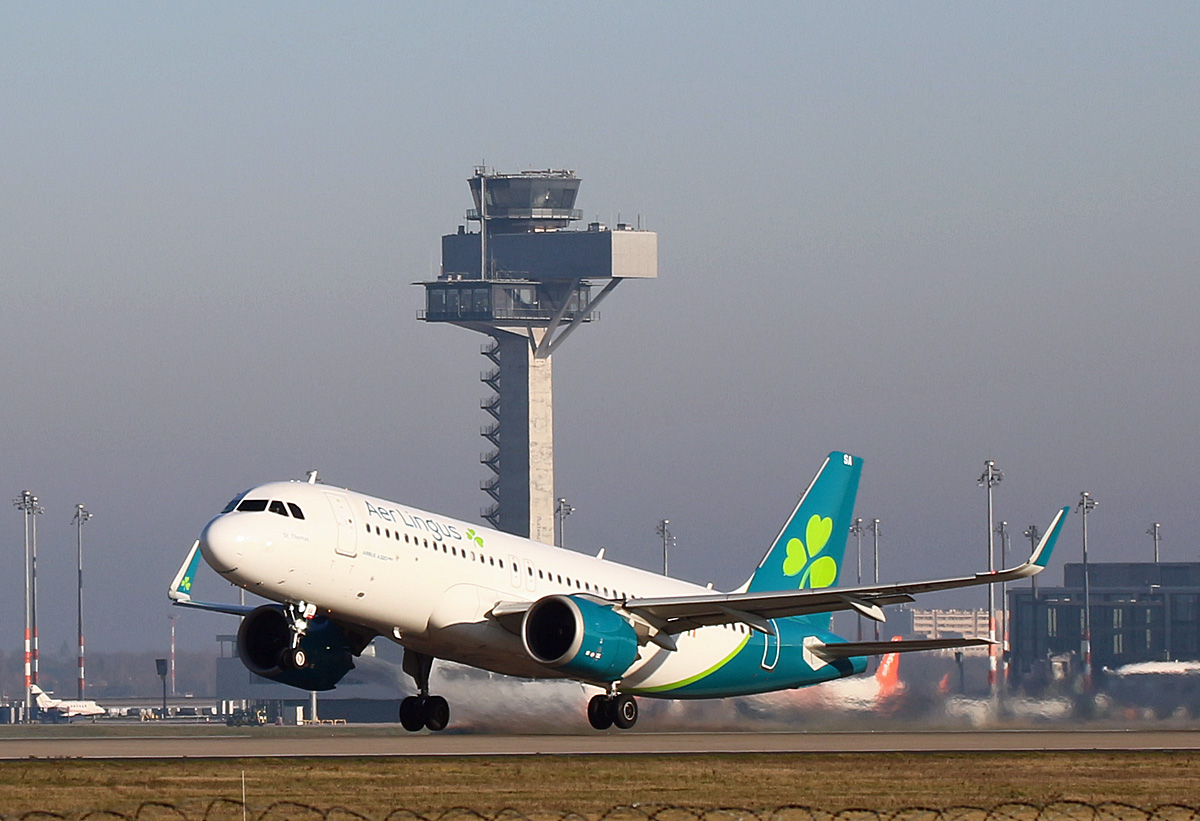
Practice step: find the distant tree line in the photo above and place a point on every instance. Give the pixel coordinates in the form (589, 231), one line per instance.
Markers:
(109, 674)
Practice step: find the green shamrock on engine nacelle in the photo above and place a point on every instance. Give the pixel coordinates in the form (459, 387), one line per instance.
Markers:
(819, 571)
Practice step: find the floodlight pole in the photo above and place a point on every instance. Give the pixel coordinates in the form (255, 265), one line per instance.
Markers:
(990, 478)
(1153, 532)
(34, 512)
(667, 538)
(25, 504)
(81, 516)
(1086, 504)
(562, 510)
(1002, 529)
(1033, 535)
(874, 527)
(172, 617)
(856, 528)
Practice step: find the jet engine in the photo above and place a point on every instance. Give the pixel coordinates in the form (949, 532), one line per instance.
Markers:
(322, 658)
(584, 639)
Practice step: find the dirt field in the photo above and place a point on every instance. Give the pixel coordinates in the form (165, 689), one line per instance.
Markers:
(549, 786)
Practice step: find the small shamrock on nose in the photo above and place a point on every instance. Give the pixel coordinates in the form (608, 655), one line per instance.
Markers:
(819, 571)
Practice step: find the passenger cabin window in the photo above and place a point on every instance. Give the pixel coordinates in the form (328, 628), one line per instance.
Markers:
(296, 511)
(252, 505)
(278, 507)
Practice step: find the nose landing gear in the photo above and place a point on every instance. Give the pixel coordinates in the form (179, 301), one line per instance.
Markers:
(298, 616)
(422, 710)
(620, 709)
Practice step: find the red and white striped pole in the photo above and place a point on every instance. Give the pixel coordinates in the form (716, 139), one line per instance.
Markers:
(33, 581)
(26, 503)
(990, 478)
(81, 516)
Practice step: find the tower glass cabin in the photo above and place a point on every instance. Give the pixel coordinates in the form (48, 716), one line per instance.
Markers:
(527, 280)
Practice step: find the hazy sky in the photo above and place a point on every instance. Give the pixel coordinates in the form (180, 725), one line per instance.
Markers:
(926, 233)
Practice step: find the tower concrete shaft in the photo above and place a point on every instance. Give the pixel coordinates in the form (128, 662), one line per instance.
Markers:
(523, 459)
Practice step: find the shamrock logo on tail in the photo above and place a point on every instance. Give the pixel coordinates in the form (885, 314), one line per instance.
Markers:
(819, 571)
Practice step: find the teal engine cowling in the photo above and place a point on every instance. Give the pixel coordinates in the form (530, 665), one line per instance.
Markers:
(264, 642)
(586, 640)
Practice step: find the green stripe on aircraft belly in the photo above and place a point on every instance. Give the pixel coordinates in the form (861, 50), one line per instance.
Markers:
(662, 688)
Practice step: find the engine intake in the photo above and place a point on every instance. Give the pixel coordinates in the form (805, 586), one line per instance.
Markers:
(584, 639)
(265, 636)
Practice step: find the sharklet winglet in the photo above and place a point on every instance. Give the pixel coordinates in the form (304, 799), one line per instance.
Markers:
(182, 583)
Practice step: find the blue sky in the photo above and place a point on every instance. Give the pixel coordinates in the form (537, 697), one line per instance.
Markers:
(929, 234)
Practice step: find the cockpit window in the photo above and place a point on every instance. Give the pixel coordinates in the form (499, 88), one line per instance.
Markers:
(295, 508)
(278, 507)
(252, 505)
(234, 501)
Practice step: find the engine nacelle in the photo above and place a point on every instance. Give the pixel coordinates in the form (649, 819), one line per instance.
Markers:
(265, 636)
(580, 637)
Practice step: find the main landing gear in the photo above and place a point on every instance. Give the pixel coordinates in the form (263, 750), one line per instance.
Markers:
(620, 709)
(422, 710)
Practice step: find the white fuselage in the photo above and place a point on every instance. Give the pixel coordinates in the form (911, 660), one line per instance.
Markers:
(430, 583)
(69, 708)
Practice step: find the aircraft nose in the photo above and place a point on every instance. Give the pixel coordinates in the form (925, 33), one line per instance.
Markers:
(222, 543)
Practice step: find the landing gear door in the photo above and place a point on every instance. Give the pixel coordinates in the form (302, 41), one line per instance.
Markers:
(347, 533)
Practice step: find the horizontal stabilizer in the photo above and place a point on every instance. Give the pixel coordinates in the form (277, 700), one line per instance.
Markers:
(847, 649)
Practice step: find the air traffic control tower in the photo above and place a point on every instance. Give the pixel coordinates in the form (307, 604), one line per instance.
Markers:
(526, 280)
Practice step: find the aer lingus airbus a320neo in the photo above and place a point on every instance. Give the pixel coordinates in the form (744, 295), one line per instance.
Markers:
(342, 568)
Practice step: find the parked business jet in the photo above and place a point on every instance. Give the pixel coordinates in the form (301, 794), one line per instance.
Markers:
(343, 568)
(63, 708)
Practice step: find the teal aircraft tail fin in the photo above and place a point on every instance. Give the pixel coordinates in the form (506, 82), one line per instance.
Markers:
(807, 553)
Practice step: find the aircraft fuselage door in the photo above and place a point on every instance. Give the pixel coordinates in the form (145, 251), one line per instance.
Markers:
(347, 533)
(516, 571)
(771, 648)
(530, 581)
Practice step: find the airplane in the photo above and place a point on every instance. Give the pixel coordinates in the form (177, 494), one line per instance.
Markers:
(341, 568)
(62, 708)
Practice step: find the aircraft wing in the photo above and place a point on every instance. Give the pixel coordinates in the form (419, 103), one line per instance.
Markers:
(180, 592)
(677, 614)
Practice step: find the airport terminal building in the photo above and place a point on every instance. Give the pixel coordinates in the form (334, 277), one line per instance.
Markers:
(1140, 611)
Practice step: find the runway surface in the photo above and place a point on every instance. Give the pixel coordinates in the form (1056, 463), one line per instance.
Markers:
(349, 741)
